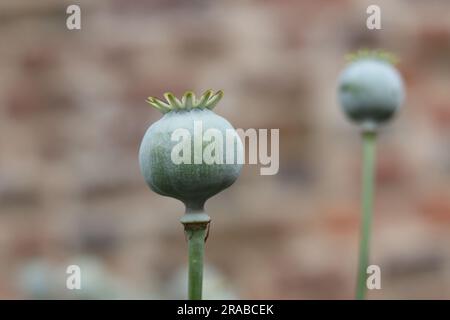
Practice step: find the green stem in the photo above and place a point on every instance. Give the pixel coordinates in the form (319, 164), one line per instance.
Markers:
(196, 224)
(196, 245)
(369, 139)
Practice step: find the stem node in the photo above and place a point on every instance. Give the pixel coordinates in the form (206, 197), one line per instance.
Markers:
(196, 228)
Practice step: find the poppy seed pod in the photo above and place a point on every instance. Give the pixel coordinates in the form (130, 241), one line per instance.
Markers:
(370, 90)
(182, 131)
(191, 154)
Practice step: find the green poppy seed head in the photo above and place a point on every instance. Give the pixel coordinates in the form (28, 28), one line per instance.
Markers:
(378, 54)
(370, 90)
(208, 100)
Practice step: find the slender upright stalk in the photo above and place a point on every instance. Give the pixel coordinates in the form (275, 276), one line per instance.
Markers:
(369, 139)
(196, 224)
(196, 248)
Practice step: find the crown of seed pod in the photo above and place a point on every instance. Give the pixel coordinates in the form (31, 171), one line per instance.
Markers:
(193, 182)
(370, 88)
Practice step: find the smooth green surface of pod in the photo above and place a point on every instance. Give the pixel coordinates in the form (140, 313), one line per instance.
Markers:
(370, 91)
(191, 183)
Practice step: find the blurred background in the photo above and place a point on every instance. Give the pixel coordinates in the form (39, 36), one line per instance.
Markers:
(73, 112)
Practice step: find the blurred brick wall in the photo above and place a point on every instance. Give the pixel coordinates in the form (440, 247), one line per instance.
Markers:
(72, 114)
